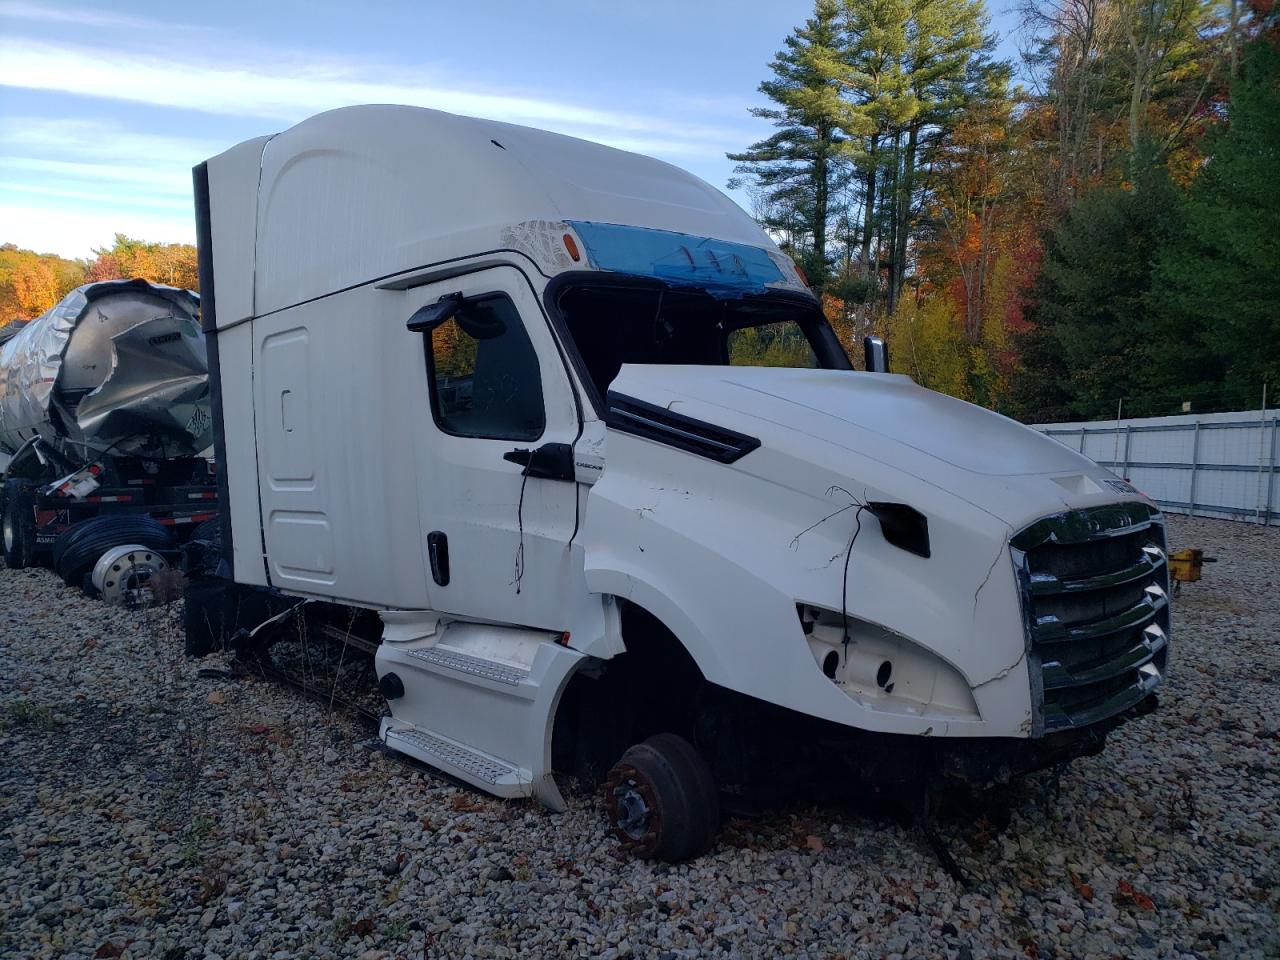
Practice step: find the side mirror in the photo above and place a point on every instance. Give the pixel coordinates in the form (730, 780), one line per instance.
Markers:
(454, 305)
(427, 318)
(876, 353)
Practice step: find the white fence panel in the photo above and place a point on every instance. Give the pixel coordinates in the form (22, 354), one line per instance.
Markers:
(1214, 464)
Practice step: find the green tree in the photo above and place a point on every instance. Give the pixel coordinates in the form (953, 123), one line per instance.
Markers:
(947, 72)
(1093, 302)
(1218, 281)
(799, 167)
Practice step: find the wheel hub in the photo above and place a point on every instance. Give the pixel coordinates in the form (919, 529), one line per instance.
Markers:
(633, 812)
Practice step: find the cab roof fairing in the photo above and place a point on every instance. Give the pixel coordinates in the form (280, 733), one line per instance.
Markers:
(380, 190)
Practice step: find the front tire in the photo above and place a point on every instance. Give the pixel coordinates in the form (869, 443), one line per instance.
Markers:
(19, 523)
(662, 800)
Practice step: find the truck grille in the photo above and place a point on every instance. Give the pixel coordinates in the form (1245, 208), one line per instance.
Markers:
(1095, 601)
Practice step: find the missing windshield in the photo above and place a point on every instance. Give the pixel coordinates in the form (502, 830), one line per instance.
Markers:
(625, 322)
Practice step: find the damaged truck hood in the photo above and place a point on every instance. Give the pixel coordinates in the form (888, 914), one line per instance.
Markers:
(994, 463)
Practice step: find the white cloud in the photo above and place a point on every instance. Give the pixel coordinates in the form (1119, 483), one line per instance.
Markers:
(105, 175)
(78, 16)
(288, 95)
(102, 140)
(67, 184)
(99, 198)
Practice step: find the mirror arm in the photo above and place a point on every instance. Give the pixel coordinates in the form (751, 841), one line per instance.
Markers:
(551, 461)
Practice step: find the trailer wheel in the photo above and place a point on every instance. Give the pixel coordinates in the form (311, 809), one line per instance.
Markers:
(80, 546)
(662, 800)
(19, 523)
(209, 531)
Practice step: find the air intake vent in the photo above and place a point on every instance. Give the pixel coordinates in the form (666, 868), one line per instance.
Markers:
(1095, 600)
(661, 425)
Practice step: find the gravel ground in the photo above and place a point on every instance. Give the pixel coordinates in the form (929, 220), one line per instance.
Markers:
(150, 811)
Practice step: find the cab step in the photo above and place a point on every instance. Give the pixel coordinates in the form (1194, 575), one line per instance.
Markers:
(477, 701)
(474, 666)
(466, 763)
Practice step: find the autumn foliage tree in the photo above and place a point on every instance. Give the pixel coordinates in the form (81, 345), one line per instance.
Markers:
(31, 283)
(173, 264)
(1106, 233)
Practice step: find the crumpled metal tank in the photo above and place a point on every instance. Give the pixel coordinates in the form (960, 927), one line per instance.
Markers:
(117, 366)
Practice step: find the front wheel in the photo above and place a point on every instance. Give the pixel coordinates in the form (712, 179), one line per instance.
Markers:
(662, 800)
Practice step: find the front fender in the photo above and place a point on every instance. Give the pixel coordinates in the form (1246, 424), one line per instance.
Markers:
(721, 556)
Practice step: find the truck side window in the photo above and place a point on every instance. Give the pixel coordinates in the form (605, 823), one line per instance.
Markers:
(780, 344)
(487, 385)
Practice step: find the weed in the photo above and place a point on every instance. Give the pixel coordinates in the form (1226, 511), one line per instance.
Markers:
(26, 713)
(342, 926)
(193, 839)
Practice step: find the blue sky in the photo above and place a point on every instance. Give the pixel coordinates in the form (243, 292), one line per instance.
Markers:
(105, 108)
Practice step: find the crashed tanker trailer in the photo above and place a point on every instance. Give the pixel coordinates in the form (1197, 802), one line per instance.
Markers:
(569, 429)
(104, 427)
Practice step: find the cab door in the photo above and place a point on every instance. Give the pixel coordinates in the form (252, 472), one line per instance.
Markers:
(498, 508)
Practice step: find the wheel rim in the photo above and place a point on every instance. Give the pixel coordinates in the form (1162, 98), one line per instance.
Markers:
(9, 537)
(123, 574)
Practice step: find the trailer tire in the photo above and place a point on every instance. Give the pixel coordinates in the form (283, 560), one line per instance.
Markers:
(209, 531)
(662, 800)
(68, 537)
(19, 523)
(80, 546)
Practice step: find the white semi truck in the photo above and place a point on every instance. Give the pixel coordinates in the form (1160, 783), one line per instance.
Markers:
(569, 422)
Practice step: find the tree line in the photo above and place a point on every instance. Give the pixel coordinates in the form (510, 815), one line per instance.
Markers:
(31, 283)
(1106, 228)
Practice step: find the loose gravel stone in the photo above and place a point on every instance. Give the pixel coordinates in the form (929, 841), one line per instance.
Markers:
(154, 810)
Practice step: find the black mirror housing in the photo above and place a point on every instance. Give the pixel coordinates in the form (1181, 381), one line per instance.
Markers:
(875, 352)
(427, 318)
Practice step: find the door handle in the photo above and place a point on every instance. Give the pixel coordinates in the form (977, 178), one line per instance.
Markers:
(438, 552)
(551, 461)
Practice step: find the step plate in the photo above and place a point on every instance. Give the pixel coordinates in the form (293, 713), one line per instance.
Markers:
(474, 666)
(476, 764)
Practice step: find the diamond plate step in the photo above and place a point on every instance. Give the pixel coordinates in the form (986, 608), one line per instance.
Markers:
(449, 755)
(473, 666)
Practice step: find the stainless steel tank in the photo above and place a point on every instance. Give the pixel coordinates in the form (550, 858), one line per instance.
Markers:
(116, 366)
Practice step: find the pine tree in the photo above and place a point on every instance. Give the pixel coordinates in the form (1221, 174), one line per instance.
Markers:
(947, 71)
(799, 168)
(1218, 281)
(1092, 305)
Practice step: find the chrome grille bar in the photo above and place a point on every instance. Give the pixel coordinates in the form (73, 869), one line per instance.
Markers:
(1095, 603)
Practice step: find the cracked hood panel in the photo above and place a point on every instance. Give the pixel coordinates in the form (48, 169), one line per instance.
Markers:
(116, 365)
(995, 463)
